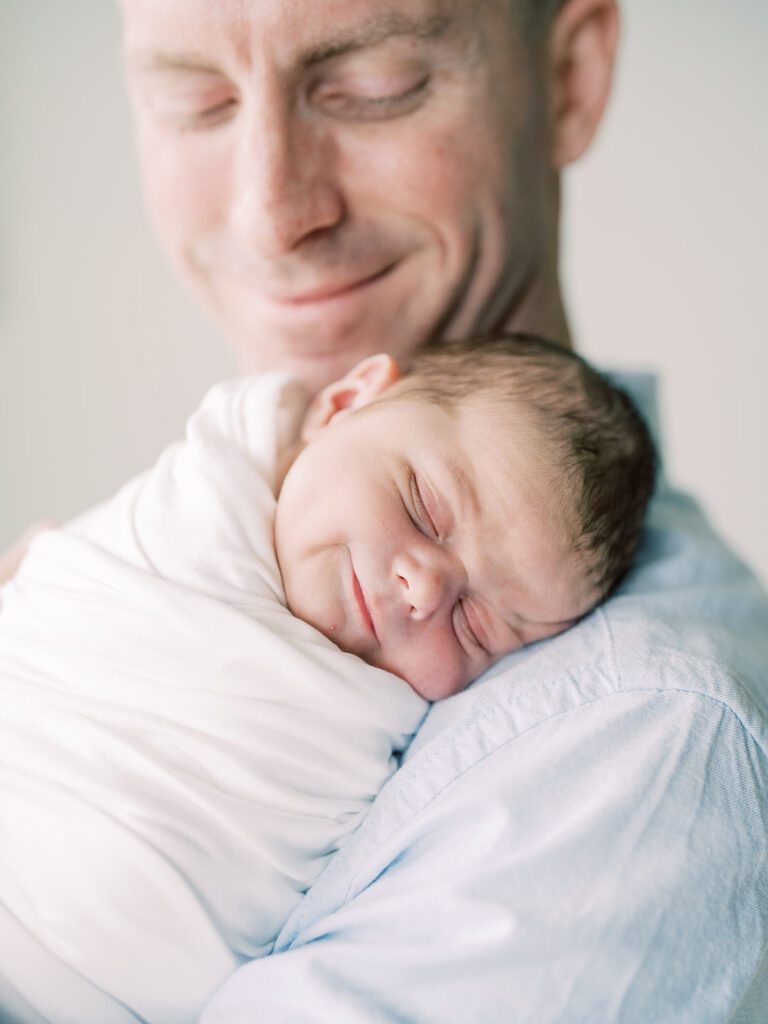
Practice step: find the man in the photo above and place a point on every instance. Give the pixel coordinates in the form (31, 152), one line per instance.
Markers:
(582, 835)
(339, 178)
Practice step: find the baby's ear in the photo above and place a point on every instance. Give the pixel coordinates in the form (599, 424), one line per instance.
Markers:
(358, 388)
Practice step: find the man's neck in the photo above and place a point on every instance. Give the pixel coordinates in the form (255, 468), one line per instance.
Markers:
(547, 319)
(539, 309)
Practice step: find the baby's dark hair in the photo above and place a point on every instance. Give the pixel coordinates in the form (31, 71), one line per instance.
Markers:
(588, 426)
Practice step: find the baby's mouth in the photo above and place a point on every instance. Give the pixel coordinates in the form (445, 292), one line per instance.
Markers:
(359, 596)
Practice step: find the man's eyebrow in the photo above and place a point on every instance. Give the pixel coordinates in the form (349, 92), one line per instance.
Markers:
(158, 60)
(377, 31)
(373, 33)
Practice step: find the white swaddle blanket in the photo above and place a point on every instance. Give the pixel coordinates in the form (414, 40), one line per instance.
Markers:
(179, 755)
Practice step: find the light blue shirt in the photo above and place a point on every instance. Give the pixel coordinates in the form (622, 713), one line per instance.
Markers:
(582, 836)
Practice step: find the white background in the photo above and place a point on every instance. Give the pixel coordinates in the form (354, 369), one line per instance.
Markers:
(666, 260)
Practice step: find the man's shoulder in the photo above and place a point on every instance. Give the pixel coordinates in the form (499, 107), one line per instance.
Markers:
(628, 734)
(692, 617)
(628, 754)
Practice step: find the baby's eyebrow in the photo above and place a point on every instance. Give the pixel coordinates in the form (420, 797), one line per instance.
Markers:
(536, 622)
(459, 496)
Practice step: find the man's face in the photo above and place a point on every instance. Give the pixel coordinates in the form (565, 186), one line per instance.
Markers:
(339, 177)
(415, 539)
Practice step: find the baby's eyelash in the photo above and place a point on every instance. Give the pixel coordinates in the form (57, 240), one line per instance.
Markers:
(421, 508)
(466, 625)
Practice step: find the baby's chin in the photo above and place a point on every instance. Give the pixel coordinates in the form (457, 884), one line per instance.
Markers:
(435, 684)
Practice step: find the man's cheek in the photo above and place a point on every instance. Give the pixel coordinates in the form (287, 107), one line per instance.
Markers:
(186, 191)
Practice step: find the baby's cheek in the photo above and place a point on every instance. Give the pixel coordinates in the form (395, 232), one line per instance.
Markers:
(439, 674)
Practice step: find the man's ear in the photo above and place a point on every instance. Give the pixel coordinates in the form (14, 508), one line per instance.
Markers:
(358, 388)
(582, 51)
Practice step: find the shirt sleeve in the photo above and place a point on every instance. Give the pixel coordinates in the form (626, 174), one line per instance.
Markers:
(609, 864)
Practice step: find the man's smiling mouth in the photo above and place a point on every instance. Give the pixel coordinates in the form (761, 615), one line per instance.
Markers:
(332, 290)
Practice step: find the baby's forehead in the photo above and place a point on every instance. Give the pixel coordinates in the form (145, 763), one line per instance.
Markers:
(500, 408)
(511, 428)
(485, 421)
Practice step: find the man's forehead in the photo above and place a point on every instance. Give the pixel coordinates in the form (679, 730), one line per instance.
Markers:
(318, 29)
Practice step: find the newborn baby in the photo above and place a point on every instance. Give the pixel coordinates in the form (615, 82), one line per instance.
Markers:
(204, 681)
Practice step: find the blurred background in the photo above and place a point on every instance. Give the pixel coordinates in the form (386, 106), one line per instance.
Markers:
(102, 356)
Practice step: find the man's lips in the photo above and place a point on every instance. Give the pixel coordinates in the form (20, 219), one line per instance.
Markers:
(328, 291)
(365, 614)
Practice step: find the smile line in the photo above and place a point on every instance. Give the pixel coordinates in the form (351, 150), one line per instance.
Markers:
(357, 590)
(328, 294)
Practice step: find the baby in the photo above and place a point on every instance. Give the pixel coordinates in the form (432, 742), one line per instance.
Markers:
(488, 499)
(204, 681)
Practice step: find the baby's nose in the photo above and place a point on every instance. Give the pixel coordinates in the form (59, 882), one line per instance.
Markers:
(426, 584)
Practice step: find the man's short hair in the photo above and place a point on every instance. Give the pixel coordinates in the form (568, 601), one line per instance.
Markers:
(588, 428)
(538, 13)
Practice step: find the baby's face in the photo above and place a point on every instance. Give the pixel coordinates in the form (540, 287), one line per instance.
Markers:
(421, 541)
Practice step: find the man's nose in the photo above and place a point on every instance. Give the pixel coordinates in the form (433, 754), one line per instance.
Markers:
(285, 186)
(429, 580)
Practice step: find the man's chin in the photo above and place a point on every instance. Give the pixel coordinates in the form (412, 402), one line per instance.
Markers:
(316, 368)
(320, 340)
(313, 352)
